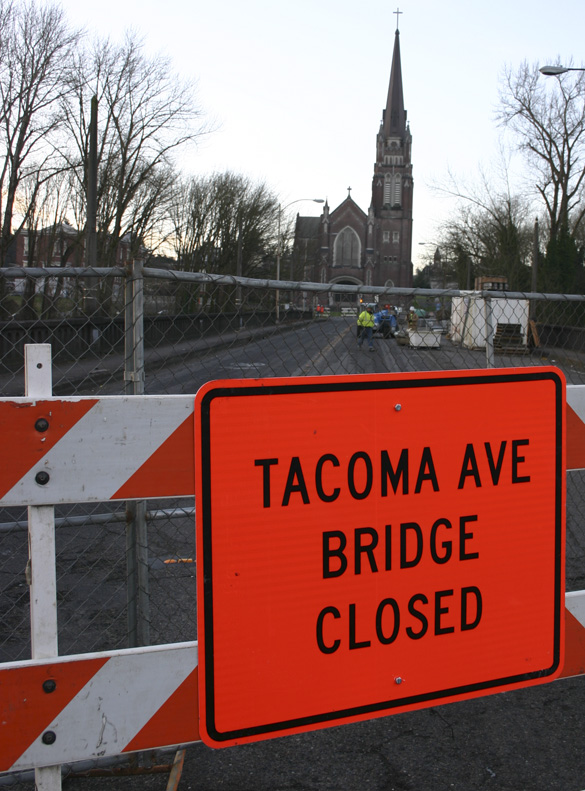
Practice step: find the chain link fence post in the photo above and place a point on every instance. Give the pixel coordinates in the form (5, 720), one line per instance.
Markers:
(489, 332)
(138, 593)
(134, 329)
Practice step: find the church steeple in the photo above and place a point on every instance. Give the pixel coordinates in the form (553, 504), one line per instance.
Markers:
(394, 117)
(392, 186)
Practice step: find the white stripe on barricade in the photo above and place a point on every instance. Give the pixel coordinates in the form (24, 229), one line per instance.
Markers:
(575, 414)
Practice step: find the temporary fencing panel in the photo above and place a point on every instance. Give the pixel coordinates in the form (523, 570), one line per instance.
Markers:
(94, 705)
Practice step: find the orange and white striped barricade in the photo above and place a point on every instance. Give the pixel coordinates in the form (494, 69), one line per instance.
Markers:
(56, 710)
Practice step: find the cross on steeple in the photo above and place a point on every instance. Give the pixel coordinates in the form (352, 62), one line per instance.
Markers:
(397, 12)
(349, 192)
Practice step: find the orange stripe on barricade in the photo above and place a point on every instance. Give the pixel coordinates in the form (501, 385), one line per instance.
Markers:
(575, 440)
(574, 646)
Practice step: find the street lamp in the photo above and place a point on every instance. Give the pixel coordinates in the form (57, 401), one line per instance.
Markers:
(279, 245)
(437, 256)
(554, 71)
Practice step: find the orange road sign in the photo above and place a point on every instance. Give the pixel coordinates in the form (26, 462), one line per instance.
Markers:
(375, 544)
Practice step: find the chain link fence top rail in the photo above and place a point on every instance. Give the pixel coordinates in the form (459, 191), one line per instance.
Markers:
(196, 327)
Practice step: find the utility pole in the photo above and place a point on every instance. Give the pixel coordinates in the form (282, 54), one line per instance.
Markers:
(535, 251)
(91, 196)
(534, 285)
(91, 285)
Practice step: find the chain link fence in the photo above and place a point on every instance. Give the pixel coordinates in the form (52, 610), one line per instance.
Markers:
(126, 571)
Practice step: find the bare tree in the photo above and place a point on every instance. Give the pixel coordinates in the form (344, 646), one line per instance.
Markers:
(226, 224)
(548, 117)
(222, 218)
(35, 51)
(146, 114)
(488, 240)
(489, 232)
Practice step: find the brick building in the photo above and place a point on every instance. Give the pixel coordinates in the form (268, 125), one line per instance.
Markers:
(57, 245)
(348, 245)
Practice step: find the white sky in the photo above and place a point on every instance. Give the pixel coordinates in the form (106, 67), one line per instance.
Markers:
(296, 88)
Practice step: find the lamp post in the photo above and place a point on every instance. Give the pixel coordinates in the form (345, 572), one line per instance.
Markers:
(555, 71)
(279, 244)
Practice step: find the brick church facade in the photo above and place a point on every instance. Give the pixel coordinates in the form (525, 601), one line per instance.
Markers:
(348, 245)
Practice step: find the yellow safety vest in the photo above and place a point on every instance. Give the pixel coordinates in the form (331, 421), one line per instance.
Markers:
(366, 319)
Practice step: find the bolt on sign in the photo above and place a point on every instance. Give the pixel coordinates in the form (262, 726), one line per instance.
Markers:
(375, 544)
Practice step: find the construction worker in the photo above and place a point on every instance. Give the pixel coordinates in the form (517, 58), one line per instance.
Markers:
(412, 318)
(366, 326)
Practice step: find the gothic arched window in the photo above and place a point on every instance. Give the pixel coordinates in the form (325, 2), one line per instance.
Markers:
(387, 190)
(347, 251)
(397, 191)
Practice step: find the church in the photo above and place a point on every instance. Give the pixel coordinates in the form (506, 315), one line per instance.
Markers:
(347, 245)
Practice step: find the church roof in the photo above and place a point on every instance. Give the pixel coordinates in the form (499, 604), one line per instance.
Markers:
(395, 115)
(348, 203)
(307, 227)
